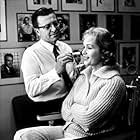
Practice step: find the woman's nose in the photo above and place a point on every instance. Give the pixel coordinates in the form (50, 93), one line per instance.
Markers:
(84, 51)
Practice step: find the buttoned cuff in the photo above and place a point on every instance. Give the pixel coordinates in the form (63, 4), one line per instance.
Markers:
(52, 75)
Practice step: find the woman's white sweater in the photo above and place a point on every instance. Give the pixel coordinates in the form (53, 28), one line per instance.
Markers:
(94, 103)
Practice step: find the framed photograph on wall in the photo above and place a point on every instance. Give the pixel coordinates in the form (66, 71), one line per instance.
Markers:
(102, 5)
(74, 5)
(135, 23)
(36, 4)
(64, 25)
(129, 6)
(114, 24)
(86, 21)
(129, 58)
(3, 29)
(25, 30)
(10, 61)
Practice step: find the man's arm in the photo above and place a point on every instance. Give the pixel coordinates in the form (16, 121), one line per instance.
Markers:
(35, 81)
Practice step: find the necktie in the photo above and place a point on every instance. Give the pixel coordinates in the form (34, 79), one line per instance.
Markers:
(67, 80)
(55, 51)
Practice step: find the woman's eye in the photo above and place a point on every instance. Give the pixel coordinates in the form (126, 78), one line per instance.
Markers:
(89, 47)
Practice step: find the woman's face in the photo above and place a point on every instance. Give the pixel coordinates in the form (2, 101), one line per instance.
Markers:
(91, 52)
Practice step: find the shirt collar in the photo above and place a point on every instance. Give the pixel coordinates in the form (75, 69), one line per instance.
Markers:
(106, 72)
(103, 72)
(47, 45)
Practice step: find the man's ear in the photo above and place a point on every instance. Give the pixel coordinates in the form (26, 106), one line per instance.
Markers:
(37, 31)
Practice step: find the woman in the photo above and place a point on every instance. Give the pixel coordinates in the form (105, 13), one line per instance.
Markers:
(94, 103)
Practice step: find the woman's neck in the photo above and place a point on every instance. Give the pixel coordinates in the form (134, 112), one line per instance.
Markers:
(96, 67)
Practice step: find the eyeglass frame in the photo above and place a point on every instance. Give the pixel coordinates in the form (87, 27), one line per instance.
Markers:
(47, 26)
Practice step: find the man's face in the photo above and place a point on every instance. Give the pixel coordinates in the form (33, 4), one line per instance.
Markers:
(9, 61)
(49, 30)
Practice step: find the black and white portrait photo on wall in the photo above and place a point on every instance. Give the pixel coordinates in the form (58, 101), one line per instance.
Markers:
(102, 5)
(74, 5)
(129, 58)
(25, 29)
(10, 60)
(3, 30)
(129, 6)
(114, 24)
(64, 26)
(36, 4)
(135, 23)
(87, 21)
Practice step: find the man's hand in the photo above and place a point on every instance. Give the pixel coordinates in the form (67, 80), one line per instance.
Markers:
(62, 60)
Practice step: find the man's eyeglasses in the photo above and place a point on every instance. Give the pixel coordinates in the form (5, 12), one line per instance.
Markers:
(48, 26)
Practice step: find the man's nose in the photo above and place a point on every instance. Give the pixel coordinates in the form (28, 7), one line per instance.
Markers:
(53, 28)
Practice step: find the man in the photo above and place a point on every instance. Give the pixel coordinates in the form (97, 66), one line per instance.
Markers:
(41, 71)
(7, 69)
(44, 73)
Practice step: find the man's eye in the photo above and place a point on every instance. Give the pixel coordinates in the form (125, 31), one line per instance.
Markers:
(48, 26)
(55, 24)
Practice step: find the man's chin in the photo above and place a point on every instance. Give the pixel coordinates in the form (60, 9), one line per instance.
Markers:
(55, 37)
(53, 40)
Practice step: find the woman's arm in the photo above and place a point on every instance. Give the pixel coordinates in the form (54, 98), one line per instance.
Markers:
(66, 106)
(108, 98)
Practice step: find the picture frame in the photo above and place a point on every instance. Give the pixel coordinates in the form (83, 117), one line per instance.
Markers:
(135, 22)
(74, 5)
(36, 4)
(102, 5)
(129, 58)
(25, 29)
(64, 24)
(86, 21)
(114, 23)
(129, 6)
(11, 75)
(3, 28)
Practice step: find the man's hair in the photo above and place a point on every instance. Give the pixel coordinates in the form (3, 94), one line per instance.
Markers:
(7, 55)
(106, 42)
(40, 12)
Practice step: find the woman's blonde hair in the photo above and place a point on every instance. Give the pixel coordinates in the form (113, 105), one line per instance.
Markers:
(106, 42)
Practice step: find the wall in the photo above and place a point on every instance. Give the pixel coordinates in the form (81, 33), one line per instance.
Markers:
(7, 92)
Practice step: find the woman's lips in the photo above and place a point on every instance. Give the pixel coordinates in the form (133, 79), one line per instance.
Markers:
(85, 58)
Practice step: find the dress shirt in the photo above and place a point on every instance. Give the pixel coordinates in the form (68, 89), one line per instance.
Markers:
(42, 83)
